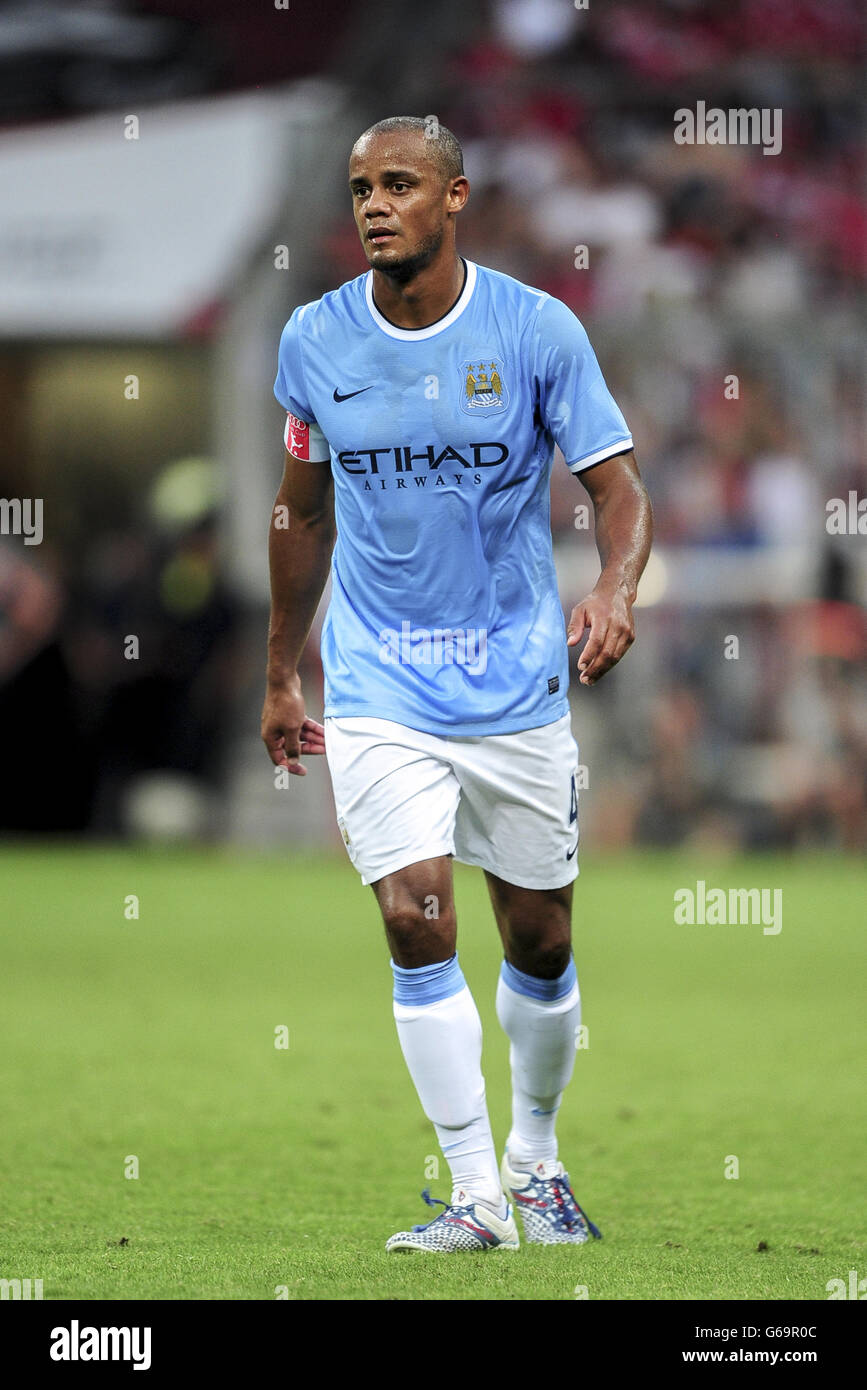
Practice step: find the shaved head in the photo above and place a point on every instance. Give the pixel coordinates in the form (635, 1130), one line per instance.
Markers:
(407, 186)
(441, 146)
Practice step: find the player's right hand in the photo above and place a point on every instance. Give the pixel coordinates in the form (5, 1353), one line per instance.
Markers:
(287, 731)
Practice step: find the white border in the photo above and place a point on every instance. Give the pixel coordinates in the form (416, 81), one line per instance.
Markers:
(414, 335)
(607, 452)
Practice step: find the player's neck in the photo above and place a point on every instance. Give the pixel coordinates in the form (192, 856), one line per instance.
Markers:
(424, 299)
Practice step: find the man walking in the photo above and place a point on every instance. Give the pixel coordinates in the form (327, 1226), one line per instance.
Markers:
(423, 400)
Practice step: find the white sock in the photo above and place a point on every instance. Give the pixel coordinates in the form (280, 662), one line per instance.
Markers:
(541, 1019)
(440, 1035)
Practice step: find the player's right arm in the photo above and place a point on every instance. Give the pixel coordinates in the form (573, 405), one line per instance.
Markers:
(300, 543)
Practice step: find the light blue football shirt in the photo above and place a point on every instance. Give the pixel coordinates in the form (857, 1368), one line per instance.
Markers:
(444, 611)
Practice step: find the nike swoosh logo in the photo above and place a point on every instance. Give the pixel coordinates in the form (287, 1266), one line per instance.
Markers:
(570, 852)
(350, 394)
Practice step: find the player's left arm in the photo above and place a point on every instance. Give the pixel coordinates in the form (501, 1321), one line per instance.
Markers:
(624, 531)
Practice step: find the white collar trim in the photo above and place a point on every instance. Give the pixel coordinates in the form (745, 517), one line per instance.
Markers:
(414, 335)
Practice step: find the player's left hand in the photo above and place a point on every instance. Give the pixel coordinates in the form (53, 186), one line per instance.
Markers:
(312, 736)
(612, 632)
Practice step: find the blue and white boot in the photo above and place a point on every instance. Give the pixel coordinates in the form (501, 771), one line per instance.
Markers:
(547, 1204)
(460, 1226)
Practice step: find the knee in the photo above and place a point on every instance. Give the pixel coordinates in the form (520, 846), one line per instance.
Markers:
(543, 954)
(417, 935)
(403, 922)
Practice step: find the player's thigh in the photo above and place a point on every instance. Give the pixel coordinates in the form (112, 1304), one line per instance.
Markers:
(395, 794)
(518, 813)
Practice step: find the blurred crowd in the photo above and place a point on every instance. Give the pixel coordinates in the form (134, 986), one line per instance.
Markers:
(723, 288)
(117, 673)
(723, 291)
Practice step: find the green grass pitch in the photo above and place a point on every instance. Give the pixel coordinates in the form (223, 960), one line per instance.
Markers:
(263, 1168)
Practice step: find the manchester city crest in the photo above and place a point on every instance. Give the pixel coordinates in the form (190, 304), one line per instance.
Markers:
(482, 385)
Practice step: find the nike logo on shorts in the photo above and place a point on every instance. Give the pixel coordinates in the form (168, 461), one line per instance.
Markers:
(570, 852)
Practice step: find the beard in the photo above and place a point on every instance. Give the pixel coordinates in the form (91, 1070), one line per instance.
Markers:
(406, 269)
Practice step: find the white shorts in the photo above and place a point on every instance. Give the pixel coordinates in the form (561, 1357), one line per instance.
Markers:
(503, 802)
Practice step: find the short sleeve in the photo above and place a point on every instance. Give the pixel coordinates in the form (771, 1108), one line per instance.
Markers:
(575, 403)
(302, 436)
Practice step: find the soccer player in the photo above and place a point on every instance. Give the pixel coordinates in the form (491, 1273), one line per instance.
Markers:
(423, 402)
